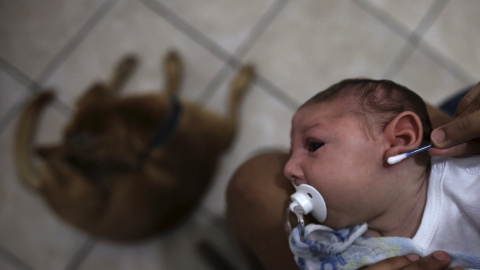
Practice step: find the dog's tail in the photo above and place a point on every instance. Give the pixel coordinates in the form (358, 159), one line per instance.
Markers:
(24, 135)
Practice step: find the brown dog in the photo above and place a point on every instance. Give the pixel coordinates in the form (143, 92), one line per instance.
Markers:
(128, 167)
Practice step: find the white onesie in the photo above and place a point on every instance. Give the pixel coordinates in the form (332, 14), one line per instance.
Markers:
(451, 220)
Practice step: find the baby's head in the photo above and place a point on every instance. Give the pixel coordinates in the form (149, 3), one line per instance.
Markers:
(340, 142)
(377, 102)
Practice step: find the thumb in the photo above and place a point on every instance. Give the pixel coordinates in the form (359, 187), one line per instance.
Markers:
(460, 130)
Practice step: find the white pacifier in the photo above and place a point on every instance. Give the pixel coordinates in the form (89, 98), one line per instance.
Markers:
(309, 200)
(304, 201)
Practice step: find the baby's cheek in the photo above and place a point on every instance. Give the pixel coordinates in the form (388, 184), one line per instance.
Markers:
(348, 202)
(337, 219)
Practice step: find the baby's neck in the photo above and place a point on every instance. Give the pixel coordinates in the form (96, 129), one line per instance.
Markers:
(406, 214)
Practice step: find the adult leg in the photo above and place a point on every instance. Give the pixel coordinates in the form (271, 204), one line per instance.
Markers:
(257, 199)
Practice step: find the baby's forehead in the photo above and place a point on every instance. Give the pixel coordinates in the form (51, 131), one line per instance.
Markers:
(335, 107)
(328, 113)
(324, 113)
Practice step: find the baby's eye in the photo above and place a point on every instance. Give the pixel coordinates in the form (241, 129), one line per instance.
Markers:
(313, 146)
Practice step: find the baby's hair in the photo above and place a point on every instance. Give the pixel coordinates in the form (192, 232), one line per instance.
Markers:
(383, 99)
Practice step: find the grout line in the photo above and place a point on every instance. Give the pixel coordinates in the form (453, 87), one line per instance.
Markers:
(233, 61)
(186, 28)
(214, 83)
(14, 261)
(415, 38)
(458, 71)
(275, 91)
(81, 254)
(260, 27)
(36, 85)
(424, 47)
(29, 84)
(72, 44)
(25, 81)
(214, 48)
(19, 76)
(387, 20)
(12, 112)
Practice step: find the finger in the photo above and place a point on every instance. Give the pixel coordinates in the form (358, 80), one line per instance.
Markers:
(461, 150)
(395, 263)
(470, 102)
(435, 261)
(458, 131)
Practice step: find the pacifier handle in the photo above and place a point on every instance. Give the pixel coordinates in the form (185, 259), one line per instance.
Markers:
(310, 201)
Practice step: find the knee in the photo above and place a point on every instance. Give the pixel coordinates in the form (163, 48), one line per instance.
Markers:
(242, 186)
(258, 185)
(255, 177)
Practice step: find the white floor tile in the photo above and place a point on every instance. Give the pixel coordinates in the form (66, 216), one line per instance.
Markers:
(402, 11)
(131, 27)
(431, 81)
(228, 23)
(455, 36)
(32, 32)
(312, 45)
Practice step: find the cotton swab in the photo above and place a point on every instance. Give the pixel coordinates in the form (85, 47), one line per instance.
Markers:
(398, 158)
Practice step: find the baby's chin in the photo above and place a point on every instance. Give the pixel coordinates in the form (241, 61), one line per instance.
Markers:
(372, 233)
(337, 223)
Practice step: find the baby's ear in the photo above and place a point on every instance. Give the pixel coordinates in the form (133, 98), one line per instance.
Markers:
(404, 133)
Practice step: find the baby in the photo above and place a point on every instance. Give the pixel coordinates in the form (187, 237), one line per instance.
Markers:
(340, 142)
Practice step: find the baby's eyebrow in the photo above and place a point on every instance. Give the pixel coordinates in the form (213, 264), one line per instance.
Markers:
(307, 128)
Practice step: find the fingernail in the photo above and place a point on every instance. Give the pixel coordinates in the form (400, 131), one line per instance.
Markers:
(413, 257)
(440, 255)
(438, 136)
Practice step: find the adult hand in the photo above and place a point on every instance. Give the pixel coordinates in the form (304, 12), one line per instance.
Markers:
(461, 137)
(438, 260)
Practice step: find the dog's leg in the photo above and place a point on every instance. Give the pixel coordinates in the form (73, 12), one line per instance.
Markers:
(238, 88)
(122, 73)
(173, 73)
(107, 90)
(223, 129)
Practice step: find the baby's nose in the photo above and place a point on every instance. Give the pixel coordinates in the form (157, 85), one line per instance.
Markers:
(293, 170)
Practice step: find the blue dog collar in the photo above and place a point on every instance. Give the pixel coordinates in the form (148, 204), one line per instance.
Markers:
(168, 127)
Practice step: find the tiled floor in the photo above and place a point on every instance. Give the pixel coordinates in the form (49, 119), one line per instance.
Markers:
(298, 47)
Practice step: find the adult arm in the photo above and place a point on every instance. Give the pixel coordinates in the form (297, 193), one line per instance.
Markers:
(438, 260)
